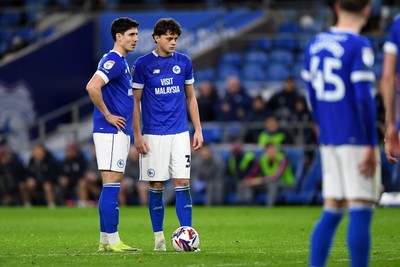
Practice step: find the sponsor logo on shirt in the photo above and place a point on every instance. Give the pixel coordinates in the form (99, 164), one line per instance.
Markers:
(176, 69)
(169, 87)
(108, 64)
(156, 71)
(368, 56)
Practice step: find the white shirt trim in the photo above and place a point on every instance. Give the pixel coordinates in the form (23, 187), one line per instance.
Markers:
(362, 76)
(137, 85)
(391, 48)
(191, 81)
(102, 75)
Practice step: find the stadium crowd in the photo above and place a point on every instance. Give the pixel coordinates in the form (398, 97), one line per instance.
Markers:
(239, 177)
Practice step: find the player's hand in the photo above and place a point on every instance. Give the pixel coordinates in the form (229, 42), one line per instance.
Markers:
(117, 121)
(392, 145)
(368, 164)
(141, 145)
(197, 140)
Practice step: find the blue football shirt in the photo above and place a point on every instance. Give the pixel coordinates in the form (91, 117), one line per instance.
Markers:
(339, 77)
(117, 93)
(163, 103)
(392, 43)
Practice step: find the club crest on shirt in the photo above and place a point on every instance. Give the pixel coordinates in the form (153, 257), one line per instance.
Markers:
(368, 56)
(120, 163)
(108, 64)
(151, 172)
(176, 69)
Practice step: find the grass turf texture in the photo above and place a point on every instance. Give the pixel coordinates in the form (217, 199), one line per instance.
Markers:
(229, 236)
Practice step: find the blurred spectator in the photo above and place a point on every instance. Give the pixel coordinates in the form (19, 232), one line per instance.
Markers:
(258, 113)
(235, 103)
(12, 173)
(303, 128)
(272, 172)
(282, 102)
(273, 133)
(91, 183)
(207, 101)
(73, 168)
(43, 171)
(209, 170)
(239, 163)
(131, 183)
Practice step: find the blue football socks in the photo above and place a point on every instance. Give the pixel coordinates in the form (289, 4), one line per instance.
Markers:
(156, 208)
(322, 236)
(183, 205)
(359, 235)
(108, 208)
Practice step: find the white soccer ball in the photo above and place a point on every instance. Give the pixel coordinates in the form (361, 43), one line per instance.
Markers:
(185, 238)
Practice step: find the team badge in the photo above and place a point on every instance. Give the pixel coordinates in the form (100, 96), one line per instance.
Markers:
(368, 56)
(120, 163)
(108, 64)
(151, 172)
(176, 69)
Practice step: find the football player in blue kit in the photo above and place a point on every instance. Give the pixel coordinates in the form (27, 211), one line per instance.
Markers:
(340, 79)
(390, 84)
(163, 89)
(110, 90)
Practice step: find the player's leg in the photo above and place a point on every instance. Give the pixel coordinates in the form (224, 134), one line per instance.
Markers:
(180, 171)
(362, 193)
(154, 169)
(183, 201)
(48, 189)
(324, 231)
(111, 153)
(333, 210)
(157, 212)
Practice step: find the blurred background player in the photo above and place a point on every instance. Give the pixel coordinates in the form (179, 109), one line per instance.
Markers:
(163, 88)
(390, 84)
(111, 92)
(42, 174)
(130, 183)
(270, 173)
(73, 168)
(339, 76)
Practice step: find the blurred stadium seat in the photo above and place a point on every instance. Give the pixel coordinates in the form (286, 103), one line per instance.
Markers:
(289, 27)
(281, 56)
(227, 69)
(255, 57)
(262, 44)
(231, 58)
(277, 72)
(308, 191)
(212, 133)
(254, 72)
(285, 41)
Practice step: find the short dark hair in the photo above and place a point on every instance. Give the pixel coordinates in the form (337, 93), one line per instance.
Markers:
(353, 6)
(165, 25)
(121, 25)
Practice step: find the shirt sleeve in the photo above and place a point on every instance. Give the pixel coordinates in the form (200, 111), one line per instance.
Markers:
(109, 69)
(189, 77)
(392, 42)
(138, 75)
(362, 78)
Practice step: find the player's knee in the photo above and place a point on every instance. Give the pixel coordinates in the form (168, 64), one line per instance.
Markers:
(181, 182)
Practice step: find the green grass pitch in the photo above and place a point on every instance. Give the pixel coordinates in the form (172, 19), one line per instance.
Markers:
(229, 236)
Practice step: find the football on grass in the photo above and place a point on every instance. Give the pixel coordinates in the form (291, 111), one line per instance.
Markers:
(185, 238)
